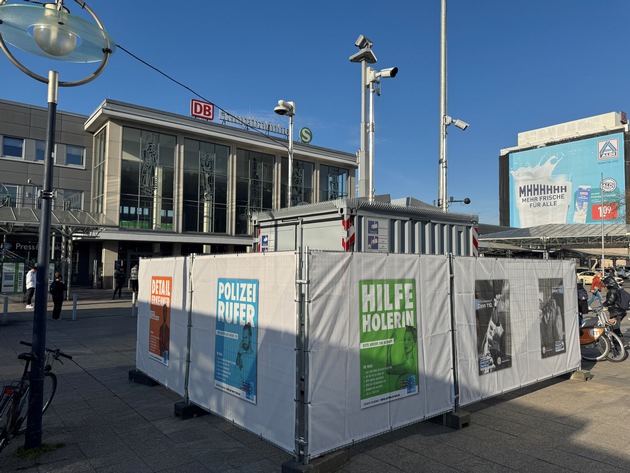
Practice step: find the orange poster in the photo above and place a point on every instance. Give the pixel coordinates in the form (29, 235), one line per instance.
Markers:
(160, 322)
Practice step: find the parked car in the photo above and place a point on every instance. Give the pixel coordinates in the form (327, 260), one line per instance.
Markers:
(587, 277)
(621, 271)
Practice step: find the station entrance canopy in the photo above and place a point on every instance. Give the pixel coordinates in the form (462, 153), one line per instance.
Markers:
(15, 220)
(553, 238)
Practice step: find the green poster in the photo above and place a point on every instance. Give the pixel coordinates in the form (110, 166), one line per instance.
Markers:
(389, 340)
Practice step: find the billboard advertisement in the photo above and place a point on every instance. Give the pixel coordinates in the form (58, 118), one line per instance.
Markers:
(580, 181)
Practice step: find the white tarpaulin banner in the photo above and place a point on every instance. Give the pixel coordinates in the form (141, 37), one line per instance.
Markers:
(162, 321)
(516, 321)
(377, 333)
(380, 345)
(243, 341)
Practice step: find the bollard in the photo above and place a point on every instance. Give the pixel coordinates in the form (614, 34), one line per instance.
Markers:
(5, 314)
(74, 307)
(134, 304)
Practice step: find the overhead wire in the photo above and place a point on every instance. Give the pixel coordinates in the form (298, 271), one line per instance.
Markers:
(237, 119)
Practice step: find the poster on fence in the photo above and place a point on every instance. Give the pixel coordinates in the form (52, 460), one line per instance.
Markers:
(494, 338)
(160, 318)
(237, 338)
(552, 329)
(388, 340)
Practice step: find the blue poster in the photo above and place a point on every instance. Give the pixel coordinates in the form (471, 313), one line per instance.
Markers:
(581, 181)
(237, 338)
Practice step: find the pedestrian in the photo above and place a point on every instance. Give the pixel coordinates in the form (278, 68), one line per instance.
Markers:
(119, 280)
(57, 291)
(31, 281)
(613, 302)
(133, 276)
(582, 302)
(596, 290)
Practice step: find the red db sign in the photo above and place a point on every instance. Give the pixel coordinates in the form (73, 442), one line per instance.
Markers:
(202, 109)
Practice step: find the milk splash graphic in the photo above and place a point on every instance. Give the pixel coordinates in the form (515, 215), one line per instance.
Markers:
(540, 197)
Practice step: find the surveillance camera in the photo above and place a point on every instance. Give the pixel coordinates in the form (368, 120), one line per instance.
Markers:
(389, 72)
(466, 201)
(363, 42)
(462, 125)
(285, 108)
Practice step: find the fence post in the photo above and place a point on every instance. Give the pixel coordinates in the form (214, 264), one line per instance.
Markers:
(74, 307)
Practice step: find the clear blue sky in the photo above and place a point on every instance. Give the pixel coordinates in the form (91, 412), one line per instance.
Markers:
(513, 65)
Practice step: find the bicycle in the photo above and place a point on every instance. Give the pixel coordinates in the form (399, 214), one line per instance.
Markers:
(594, 344)
(14, 397)
(598, 342)
(617, 350)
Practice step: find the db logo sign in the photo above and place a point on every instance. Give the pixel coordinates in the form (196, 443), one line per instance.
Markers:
(201, 109)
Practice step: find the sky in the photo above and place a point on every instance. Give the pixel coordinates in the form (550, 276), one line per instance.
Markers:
(513, 66)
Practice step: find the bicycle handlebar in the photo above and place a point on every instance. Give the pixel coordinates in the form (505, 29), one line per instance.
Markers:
(55, 353)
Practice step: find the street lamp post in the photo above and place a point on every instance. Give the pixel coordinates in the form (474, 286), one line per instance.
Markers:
(601, 215)
(53, 33)
(288, 108)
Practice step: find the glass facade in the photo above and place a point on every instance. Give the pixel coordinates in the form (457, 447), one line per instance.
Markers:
(181, 184)
(205, 189)
(333, 183)
(301, 182)
(254, 186)
(147, 180)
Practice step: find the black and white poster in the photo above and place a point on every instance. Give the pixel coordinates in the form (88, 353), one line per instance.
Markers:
(494, 341)
(551, 316)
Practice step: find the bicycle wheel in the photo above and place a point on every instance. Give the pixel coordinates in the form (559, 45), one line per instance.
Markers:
(50, 386)
(5, 410)
(596, 351)
(617, 351)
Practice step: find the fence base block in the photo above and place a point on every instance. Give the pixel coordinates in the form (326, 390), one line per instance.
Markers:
(188, 411)
(141, 378)
(453, 420)
(328, 463)
(581, 375)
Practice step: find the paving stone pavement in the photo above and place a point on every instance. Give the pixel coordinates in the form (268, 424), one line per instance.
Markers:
(107, 423)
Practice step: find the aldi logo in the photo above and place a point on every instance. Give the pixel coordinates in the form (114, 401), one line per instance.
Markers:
(608, 149)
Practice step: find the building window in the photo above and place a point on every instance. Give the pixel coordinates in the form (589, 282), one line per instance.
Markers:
(9, 195)
(40, 150)
(205, 187)
(98, 173)
(68, 199)
(75, 156)
(147, 180)
(12, 147)
(254, 186)
(332, 183)
(301, 182)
